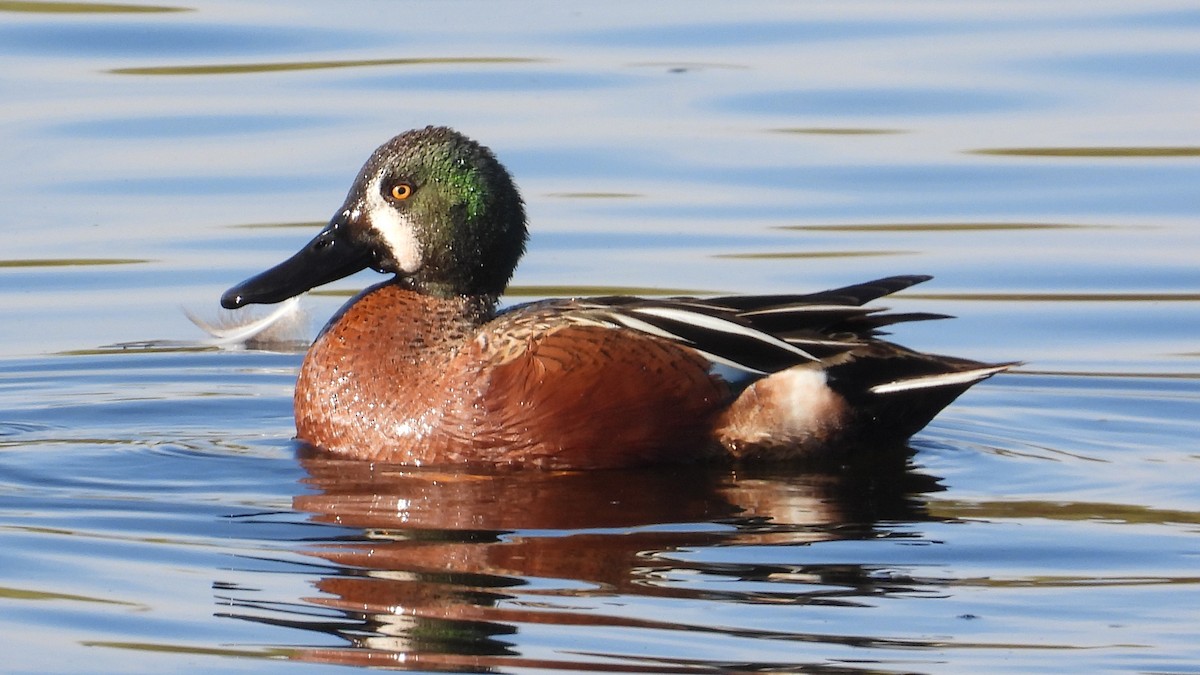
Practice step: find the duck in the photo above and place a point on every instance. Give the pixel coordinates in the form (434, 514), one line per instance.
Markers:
(426, 368)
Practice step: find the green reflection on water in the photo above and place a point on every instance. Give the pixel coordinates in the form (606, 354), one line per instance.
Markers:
(85, 8)
(147, 347)
(265, 653)
(1111, 151)
(24, 594)
(72, 262)
(238, 68)
(1061, 510)
(1046, 581)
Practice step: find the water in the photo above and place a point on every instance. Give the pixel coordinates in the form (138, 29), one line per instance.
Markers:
(1041, 161)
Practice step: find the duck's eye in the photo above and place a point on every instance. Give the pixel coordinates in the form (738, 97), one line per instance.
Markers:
(401, 191)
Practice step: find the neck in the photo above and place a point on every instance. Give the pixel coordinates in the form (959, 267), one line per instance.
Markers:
(481, 306)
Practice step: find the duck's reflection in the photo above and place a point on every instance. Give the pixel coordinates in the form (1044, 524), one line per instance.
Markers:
(449, 565)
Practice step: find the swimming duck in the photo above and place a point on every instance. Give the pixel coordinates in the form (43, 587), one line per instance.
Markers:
(424, 368)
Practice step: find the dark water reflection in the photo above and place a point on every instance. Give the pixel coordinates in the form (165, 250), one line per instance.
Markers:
(443, 569)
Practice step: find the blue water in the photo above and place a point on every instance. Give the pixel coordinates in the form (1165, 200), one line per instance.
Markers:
(1040, 161)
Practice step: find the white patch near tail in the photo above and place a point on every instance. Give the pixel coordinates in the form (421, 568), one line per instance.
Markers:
(788, 414)
(806, 403)
(939, 380)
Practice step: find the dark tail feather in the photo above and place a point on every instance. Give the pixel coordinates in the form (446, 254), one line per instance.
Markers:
(896, 395)
(861, 294)
(855, 295)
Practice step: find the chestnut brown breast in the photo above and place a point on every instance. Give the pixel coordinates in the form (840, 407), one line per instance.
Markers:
(402, 376)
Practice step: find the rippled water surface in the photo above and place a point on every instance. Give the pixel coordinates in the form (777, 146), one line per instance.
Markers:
(1041, 160)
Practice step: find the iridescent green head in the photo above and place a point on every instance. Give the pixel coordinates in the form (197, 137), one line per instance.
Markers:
(431, 206)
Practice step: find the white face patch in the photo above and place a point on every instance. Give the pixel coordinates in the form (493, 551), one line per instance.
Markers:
(396, 230)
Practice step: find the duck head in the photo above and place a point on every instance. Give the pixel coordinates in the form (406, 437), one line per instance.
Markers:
(431, 206)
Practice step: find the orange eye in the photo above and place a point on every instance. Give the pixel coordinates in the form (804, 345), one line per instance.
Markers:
(401, 191)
